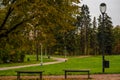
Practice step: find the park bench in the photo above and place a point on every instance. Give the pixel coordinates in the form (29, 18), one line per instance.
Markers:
(84, 70)
(29, 72)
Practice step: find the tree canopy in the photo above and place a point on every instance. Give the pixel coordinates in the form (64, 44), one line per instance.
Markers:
(16, 13)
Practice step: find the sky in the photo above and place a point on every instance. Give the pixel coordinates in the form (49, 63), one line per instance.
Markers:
(113, 9)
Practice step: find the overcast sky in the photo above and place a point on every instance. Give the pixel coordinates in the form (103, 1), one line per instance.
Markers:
(113, 9)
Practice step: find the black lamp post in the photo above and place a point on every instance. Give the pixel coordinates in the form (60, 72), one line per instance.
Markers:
(103, 10)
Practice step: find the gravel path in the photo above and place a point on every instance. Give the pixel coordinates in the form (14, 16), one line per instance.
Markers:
(73, 77)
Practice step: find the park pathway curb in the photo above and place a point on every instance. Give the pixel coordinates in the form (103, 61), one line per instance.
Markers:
(58, 60)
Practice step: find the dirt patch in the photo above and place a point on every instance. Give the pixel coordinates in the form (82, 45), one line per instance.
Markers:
(70, 77)
(106, 77)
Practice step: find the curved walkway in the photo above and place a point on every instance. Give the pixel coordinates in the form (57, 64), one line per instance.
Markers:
(58, 60)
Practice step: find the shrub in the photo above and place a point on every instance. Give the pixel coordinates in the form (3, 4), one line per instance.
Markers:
(6, 56)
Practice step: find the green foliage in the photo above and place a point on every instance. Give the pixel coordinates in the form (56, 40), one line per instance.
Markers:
(116, 45)
(26, 24)
(48, 17)
(105, 35)
(4, 56)
(11, 50)
(83, 31)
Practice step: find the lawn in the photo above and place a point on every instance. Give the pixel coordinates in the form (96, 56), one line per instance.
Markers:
(32, 60)
(94, 63)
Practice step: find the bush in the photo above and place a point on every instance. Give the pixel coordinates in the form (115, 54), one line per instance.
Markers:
(18, 56)
(6, 56)
(22, 56)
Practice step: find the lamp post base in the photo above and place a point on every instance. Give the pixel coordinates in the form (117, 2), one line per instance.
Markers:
(41, 64)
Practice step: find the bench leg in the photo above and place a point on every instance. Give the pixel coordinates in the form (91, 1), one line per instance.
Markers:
(88, 75)
(18, 76)
(40, 76)
(65, 75)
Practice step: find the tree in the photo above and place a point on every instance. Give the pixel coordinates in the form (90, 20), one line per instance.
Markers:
(83, 24)
(15, 14)
(63, 22)
(18, 12)
(105, 34)
(93, 38)
(116, 45)
(109, 39)
(43, 15)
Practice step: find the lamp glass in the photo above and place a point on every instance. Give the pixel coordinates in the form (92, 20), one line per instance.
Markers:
(102, 8)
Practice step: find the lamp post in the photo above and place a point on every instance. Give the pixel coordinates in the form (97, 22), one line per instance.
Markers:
(65, 51)
(41, 55)
(103, 10)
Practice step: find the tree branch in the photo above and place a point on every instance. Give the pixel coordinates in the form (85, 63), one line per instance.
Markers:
(14, 27)
(6, 17)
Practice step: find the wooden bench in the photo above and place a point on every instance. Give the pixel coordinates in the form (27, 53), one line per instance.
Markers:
(88, 71)
(30, 72)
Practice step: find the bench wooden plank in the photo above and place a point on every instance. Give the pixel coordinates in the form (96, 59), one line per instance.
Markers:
(30, 71)
(38, 72)
(69, 70)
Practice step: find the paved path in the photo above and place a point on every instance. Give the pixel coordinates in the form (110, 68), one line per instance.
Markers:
(58, 60)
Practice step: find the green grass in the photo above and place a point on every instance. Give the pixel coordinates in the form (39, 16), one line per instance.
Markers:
(94, 63)
(26, 62)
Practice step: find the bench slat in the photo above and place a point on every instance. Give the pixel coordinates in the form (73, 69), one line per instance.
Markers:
(77, 70)
(30, 71)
